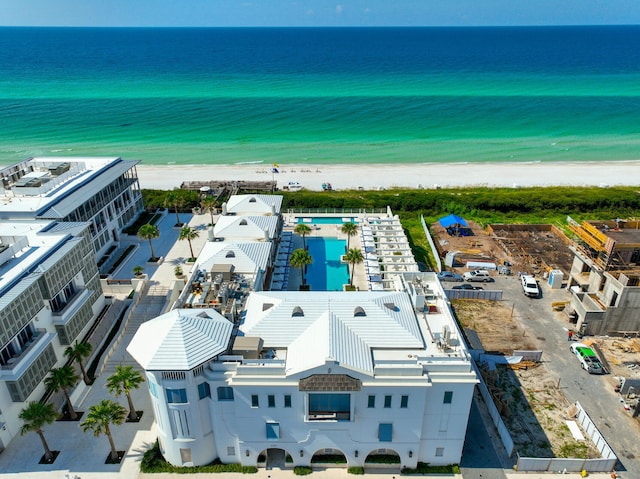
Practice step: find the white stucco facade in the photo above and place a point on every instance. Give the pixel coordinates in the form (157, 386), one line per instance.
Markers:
(310, 373)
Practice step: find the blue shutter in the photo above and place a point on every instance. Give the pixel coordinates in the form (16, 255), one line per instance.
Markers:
(385, 432)
(273, 430)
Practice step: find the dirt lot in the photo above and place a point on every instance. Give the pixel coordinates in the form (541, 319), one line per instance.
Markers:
(532, 406)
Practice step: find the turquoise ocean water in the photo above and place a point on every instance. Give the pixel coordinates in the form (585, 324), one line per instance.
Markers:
(321, 96)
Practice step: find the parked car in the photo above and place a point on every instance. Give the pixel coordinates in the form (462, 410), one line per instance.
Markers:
(467, 286)
(449, 276)
(478, 275)
(530, 286)
(588, 359)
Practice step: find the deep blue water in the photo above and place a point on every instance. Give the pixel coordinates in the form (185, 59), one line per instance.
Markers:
(321, 95)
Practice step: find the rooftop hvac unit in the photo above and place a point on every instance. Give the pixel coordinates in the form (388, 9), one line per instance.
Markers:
(446, 335)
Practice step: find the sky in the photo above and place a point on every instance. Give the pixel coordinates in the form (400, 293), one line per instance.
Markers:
(309, 13)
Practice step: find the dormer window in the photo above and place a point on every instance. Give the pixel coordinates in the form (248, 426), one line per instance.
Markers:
(230, 254)
(252, 199)
(297, 311)
(243, 223)
(391, 306)
(359, 312)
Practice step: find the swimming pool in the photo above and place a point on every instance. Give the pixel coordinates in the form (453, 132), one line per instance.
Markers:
(324, 220)
(327, 273)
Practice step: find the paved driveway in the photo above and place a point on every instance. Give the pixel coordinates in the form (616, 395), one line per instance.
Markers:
(595, 393)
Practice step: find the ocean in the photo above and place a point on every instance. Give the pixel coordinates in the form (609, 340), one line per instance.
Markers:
(321, 95)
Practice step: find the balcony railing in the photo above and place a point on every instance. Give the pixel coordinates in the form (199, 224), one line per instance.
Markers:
(13, 361)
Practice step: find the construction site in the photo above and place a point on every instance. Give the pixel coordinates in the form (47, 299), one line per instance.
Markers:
(535, 249)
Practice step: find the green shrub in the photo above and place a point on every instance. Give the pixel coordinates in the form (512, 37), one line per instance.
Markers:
(356, 470)
(329, 459)
(425, 468)
(302, 470)
(383, 459)
(153, 462)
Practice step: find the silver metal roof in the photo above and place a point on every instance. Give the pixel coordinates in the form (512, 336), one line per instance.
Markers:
(180, 340)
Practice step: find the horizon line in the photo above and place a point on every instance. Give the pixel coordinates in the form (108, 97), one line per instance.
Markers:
(325, 26)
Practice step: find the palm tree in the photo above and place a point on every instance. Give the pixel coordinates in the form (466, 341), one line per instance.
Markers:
(209, 203)
(78, 353)
(149, 231)
(34, 416)
(100, 417)
(353, 257)
(189, 234)
(123, 381)
(303, 230)
(300, 258)
(174, 199)
(350, 229)
(63, 379)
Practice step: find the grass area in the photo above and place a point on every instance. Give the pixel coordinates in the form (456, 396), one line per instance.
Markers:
(356, 470)
(154, 462)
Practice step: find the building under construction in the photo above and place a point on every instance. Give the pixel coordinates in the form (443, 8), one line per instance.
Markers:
(605, 277)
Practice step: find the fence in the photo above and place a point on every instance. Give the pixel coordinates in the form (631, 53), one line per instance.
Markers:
(605, 463)
(503, 432)
(432, 245)
(336, 211)
(491, 295)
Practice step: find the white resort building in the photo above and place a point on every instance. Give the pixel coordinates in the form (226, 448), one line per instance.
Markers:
(49, 296)
(102, 191)
(294, 376)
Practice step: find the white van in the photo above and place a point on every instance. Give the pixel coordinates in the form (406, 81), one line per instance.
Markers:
(477, 275)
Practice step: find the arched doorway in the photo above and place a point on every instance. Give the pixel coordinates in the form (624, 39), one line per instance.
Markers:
(274, 458)
(325, 458)
(383, 459)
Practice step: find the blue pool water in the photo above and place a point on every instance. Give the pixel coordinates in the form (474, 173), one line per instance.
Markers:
(327, 273)
(326, 221)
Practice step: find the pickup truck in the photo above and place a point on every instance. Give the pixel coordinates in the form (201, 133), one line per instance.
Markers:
(478, 275)
(588, 359)
(530, 286)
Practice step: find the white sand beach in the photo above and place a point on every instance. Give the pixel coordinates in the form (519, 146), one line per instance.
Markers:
(372, 177)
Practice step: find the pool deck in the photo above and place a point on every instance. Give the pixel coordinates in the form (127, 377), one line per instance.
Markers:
(325, 231)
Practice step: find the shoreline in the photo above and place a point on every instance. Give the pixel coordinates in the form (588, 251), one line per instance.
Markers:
(403, 175)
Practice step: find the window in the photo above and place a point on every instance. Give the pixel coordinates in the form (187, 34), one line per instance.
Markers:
(176, 395)
(204, 390)
(326, 406)
(153, 389)
(255, 401)
(273, 430)
(271, 400)
(448, 397)
(385, 432)
(225, 393)
(387, 401)
(231, 451)
(287, 400)
(439, 451)
(404, 402)
(372, 401)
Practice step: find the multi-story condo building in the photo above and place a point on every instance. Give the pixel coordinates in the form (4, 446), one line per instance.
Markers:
(605, 278)
(302, 374)
(102, 191)
(49, 296)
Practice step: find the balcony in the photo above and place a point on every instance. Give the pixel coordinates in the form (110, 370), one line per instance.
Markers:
(32, 344)
(75, 302)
